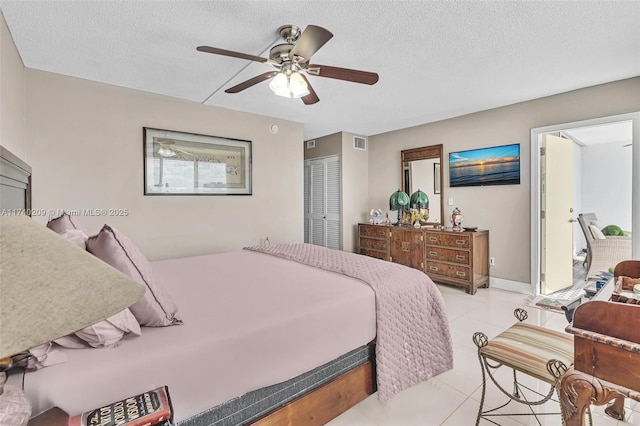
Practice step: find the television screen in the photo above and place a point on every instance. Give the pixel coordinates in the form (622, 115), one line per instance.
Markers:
(497, 165)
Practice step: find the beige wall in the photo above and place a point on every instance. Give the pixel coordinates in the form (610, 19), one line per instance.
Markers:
(85, 148)
(504, 210)
(326, 146)
(12, 95)
(355, 195)
(354, 175)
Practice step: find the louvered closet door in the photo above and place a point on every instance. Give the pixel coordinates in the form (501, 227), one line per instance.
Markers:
(322, 202)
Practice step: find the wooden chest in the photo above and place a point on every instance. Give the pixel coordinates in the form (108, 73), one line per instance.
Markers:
(451, 257)
(459, 258)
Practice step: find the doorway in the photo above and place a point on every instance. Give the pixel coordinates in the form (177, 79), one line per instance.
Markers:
(537, 221)
(322, 195)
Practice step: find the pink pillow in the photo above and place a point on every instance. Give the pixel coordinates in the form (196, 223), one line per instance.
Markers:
(156, 308)
(65, 223)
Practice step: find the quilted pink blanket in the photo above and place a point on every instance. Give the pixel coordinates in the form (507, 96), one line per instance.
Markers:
(413, 342)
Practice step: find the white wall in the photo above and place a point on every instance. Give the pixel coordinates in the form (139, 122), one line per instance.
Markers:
(85, 148)
(606, 188)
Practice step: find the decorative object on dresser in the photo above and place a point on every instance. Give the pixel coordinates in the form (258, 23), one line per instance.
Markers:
(41, 299)
(456, 220)
(399, 201)
(376, 216)
(460, 258)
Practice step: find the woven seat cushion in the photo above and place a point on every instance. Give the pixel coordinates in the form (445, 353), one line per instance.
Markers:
(527, 348)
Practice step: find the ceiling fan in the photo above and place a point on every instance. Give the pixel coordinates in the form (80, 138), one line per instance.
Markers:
(292, 57)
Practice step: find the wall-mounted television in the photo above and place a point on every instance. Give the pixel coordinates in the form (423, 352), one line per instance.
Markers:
(496, 165)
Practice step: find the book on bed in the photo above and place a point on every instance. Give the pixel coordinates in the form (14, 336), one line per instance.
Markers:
(150, 408)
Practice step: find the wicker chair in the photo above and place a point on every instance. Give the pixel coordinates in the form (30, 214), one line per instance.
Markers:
(602, 254)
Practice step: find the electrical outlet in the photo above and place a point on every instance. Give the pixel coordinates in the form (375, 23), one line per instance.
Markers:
(450, 201)
(492, 261)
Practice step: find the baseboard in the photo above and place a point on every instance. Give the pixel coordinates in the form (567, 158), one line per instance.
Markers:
(509, 285)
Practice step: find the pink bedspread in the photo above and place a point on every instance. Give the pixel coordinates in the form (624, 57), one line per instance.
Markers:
(413, 339)
(250, 321)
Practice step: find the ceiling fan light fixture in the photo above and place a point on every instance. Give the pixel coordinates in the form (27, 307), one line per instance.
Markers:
(289, 85)
(298, 86)
(166, 152)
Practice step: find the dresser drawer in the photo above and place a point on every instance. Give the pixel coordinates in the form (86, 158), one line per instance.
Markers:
(373, 253)
(374, 244)
(447, 255)
(377, 231)
(433, 238)
(457, 272)
(456, 240)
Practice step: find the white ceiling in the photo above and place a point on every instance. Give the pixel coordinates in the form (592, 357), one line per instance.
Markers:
(621, 132)
(435, 59)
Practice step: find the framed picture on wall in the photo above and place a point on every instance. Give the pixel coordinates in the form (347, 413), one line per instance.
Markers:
(436, 178)
(178, 163)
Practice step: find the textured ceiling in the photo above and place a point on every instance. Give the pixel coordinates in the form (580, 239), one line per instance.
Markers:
(435, 59)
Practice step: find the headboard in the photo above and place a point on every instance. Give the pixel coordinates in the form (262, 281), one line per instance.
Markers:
(15, 183)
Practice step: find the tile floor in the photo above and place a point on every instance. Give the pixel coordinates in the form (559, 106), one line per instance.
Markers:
(453, 398)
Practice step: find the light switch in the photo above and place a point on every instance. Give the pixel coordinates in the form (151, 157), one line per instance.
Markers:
(450, 201)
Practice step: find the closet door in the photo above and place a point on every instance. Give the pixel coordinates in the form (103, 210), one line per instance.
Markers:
(322, 202)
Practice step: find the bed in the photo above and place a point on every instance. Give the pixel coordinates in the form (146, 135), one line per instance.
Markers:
(276, 334)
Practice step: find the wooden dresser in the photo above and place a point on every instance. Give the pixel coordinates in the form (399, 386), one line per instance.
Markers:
(451, 257)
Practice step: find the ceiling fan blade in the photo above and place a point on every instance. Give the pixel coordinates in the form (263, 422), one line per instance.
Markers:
(310, 41)
(311, 98)
(251, 82)
(231, 53)
(346, 74)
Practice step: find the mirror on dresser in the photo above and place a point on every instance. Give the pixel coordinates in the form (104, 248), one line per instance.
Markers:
(422, 170)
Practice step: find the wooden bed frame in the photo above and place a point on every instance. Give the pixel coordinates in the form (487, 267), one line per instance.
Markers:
(14, 174)
(316, 407)
(327, 401)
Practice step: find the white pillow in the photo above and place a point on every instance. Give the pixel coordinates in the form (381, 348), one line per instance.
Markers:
(77, 237)
(597, 233)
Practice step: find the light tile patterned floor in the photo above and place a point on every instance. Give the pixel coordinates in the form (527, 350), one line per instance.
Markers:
(452, 398)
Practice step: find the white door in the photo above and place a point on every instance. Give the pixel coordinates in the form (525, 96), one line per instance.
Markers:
(556, 224)
(322, 202)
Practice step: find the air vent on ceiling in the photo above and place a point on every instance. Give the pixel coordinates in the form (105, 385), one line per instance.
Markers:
(311, 143)
(359, 143)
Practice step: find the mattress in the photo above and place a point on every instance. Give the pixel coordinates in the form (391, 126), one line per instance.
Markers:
(250, 321)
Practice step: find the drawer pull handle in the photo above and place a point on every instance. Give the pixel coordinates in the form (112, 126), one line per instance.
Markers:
(433, 268)
(460, 242)
(460, 257)
(461, 274)
(433, 238)
(433, 253)
(406, 246)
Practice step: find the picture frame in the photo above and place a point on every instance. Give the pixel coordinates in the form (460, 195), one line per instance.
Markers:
(495, 165)
(436, 178)
(180, 163)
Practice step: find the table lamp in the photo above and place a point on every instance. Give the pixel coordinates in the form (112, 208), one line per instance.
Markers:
(399, 201)
(420, 202)
(49, 288)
